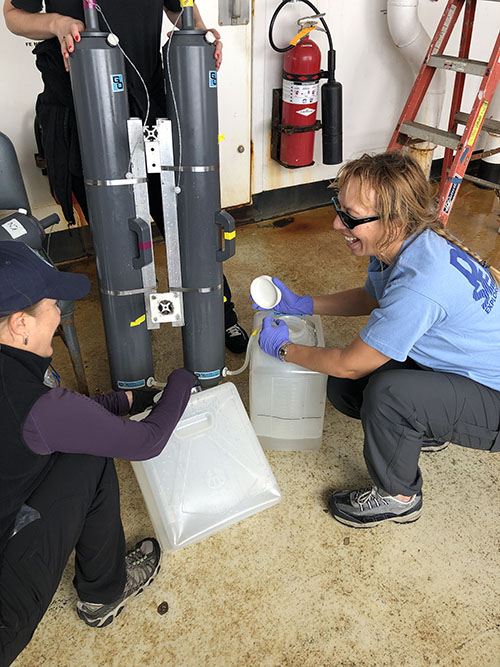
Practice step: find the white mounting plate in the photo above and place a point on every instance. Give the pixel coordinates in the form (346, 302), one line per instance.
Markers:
(167, 307)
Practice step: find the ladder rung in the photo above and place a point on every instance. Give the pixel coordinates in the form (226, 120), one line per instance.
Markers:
(481, 181)
(489, 124)
(432, 134)
(454, 64)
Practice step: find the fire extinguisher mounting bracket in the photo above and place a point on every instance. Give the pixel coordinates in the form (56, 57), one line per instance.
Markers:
(298, 129)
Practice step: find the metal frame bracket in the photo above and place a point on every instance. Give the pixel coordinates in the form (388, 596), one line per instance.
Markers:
(167, 307)
(141, 199)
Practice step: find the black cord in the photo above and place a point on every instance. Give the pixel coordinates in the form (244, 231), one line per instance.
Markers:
(290, 46)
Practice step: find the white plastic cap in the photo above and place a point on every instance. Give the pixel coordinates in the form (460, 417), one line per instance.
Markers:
(265, 293)
(210, 37)
(112, 39)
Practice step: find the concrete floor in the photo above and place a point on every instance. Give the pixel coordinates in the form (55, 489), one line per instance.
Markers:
(290, 586)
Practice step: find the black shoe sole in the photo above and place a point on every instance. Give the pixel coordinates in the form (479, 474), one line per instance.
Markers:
(399, 520)
(410, 517)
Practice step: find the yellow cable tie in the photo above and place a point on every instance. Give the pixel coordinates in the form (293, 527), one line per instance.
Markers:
(255, 332)
(138, 321)
(301, 35)
(229, 235)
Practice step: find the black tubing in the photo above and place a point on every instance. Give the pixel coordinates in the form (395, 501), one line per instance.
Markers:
(287, 48)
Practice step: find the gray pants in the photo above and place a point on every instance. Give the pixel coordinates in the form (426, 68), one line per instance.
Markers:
(401, 404)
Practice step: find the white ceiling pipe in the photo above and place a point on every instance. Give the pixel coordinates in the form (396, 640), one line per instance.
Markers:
(409, 35)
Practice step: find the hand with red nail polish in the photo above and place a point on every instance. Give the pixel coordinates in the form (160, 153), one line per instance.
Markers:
(67, 30)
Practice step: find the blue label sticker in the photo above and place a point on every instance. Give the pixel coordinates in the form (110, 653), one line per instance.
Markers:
(212, 79)
(131, 385)
(455, 183)
(117, 83)
(207, 376)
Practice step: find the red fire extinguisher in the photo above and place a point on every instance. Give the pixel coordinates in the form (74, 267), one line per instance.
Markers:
(301, 81)
(301, 76)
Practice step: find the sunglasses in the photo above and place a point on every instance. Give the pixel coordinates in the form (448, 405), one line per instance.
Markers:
(347, 219)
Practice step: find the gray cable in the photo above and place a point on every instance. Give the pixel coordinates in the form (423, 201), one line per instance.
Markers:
(175, 101)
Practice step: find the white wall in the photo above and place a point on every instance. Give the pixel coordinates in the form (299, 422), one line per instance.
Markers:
(375, 78)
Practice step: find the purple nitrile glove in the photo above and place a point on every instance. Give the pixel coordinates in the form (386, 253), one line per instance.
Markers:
(274, 333)
(290, 303)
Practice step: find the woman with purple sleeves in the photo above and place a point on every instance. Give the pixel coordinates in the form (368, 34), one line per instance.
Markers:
(58, 484)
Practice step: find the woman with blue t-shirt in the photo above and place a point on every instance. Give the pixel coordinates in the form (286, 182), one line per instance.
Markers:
(425, 369)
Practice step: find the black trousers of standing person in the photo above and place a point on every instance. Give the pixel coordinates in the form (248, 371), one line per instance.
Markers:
(401, 404)
(79, 506)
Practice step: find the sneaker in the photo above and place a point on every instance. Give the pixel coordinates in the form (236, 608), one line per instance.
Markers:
(142, 566)
(236, 339)
(433, 446)
(365, 508)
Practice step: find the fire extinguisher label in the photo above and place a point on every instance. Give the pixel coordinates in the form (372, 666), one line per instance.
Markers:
(300, 93)
(306, 112)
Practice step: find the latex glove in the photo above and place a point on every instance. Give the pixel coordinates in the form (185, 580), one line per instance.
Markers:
(274, 333)
(290, 303)
(142, 399)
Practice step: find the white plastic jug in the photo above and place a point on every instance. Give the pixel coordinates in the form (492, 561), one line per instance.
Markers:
(211, 474)
(287, 402)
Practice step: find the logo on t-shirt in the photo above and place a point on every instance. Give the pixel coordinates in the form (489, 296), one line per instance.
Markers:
(485, 288)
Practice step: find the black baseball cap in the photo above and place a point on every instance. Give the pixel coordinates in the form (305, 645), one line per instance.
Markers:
(26, 278)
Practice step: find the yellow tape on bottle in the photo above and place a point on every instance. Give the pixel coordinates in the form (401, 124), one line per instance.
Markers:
(229, 235)
(187, 3)
(138, 321)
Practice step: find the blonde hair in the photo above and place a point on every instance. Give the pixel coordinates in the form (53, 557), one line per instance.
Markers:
(403, 196)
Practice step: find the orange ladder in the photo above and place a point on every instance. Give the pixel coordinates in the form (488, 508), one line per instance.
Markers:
(458, 148)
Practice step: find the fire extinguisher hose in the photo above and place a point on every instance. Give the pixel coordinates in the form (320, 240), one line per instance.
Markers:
(290, 46)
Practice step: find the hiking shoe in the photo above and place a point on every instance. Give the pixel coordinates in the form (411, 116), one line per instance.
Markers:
(236, 339)
(366, 508)
(142, 565)
(433, 446)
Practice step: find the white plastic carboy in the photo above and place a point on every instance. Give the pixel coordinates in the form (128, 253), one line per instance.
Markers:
(211, 474)
(287, 402)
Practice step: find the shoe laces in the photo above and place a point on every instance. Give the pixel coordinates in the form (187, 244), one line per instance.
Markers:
(369, 498)
(234, 331)
(138, 568)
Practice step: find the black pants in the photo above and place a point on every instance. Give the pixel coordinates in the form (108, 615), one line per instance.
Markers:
(79, 504)
(400, 404)
(156, 210)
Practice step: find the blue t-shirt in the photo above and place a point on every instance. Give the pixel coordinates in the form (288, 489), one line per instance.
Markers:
(437, 306)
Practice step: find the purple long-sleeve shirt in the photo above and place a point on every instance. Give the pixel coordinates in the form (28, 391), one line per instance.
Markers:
(65, 421)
